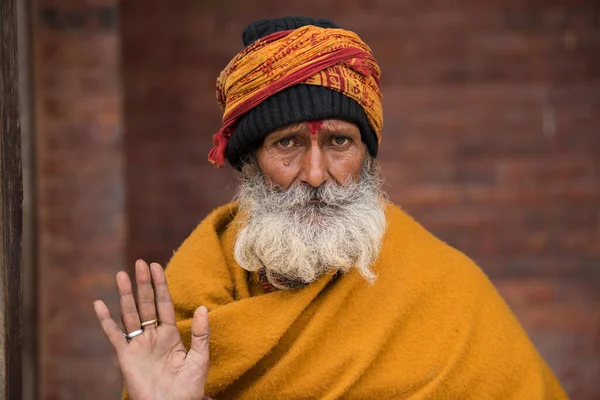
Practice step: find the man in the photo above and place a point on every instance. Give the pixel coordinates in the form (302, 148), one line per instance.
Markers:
(316, 287)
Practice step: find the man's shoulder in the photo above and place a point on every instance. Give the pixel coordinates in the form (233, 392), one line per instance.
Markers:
(220, 217)
(216, 221)
(417, 252)
(414, 260)
(206, 237)
(409, 235)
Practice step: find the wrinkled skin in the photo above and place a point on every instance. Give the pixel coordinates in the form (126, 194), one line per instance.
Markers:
(296, 154)
(155, 364)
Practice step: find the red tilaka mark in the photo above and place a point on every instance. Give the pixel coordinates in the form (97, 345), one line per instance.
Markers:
(314, 126)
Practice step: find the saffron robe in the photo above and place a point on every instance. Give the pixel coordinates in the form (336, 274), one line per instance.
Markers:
(432, 326)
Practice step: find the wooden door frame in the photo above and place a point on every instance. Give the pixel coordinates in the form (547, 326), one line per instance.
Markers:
(28, 238)
(11, 193)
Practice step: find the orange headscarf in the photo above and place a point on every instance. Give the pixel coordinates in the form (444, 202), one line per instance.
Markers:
(333, 58)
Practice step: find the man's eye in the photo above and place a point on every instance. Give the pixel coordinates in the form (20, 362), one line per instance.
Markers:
(340, 140)
(287, 143)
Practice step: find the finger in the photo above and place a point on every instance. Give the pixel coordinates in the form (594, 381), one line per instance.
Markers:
(129, 312)
(164, 304)
(145, 293)
(199, 350)
(111, 329)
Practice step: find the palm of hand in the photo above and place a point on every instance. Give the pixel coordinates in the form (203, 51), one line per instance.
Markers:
(155, 364)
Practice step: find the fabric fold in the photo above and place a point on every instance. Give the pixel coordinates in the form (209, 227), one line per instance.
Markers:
(432, 326)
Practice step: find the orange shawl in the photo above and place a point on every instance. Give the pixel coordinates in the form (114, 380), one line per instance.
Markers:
(431, 327)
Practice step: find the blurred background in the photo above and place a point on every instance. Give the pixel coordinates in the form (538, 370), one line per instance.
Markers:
(491, 139)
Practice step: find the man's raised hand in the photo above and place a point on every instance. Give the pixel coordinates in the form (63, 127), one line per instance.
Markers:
(154, 362)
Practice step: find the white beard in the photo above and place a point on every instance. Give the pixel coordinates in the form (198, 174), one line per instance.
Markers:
(299, 241)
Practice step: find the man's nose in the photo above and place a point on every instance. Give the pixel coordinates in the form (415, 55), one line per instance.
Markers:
(314, 169)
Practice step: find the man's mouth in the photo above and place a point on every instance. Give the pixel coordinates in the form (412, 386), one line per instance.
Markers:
(315, 201)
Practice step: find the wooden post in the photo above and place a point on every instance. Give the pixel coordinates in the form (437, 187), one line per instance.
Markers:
(11, 195)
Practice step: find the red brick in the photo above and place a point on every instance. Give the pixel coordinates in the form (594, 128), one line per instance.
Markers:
(79, 200)
(562, 318)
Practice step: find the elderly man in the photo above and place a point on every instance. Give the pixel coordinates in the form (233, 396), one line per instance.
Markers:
(315, 286)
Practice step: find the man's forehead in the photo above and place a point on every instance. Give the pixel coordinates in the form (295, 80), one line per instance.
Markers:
(316, 126)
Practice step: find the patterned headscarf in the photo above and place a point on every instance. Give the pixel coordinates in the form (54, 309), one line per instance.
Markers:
(334, 58)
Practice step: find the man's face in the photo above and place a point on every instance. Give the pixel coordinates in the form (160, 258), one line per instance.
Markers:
(312, 204)
(312, 153)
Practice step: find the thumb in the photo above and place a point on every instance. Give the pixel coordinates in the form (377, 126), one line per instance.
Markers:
(200, 334)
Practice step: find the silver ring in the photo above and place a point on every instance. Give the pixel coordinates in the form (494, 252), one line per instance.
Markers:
(147, 323)
(133, 334)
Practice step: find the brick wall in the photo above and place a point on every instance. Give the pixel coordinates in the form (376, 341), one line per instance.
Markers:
(79, 194)
(492, 112)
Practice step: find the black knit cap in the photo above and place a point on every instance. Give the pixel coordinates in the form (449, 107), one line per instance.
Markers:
(295, 104)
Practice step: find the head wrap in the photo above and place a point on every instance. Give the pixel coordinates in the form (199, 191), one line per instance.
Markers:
(332, 58)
